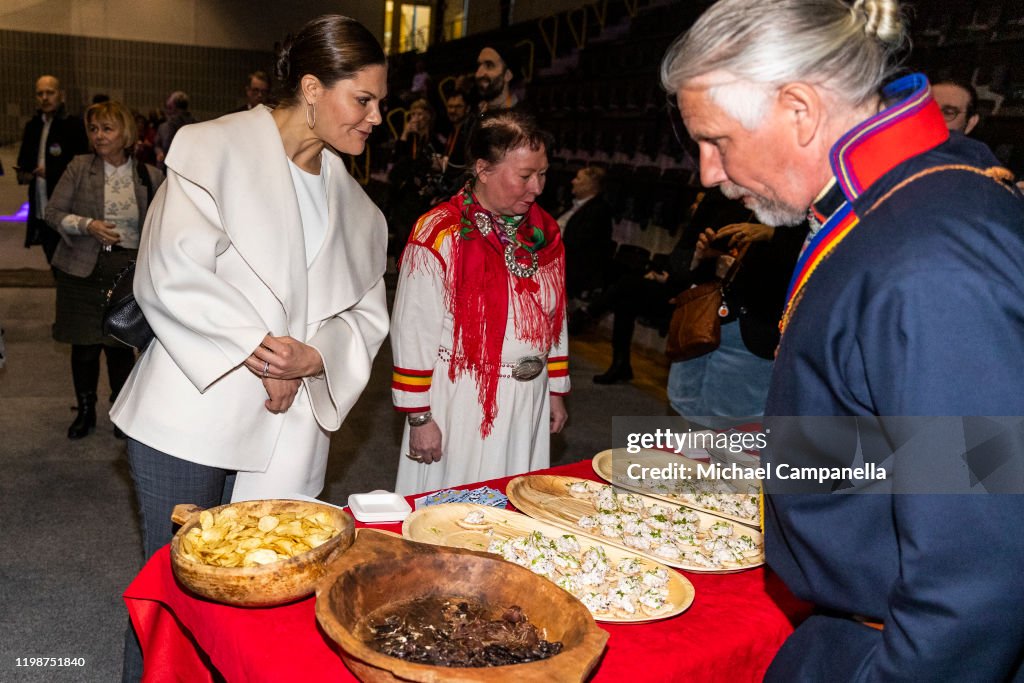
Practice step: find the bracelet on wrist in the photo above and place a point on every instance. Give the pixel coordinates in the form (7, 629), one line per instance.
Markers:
(419, 420)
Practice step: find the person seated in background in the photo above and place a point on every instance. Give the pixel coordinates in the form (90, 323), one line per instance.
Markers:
(415, 174)
(958, 101)
(647, 294)
(417, 138)
(454, 160)
(421, 80)
(587, 234)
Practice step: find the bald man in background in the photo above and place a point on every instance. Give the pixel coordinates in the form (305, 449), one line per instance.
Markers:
(50, 141)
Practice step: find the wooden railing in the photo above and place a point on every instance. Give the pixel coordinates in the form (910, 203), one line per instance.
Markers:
(442, 85)
(528, 69)
(362, 176)
(395, 133)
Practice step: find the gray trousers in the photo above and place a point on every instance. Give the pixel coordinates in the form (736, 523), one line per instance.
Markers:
(161, 482)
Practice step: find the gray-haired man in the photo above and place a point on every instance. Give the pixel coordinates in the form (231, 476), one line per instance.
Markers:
(908, 300)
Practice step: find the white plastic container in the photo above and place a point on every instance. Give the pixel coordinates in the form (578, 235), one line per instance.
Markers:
(378, 507)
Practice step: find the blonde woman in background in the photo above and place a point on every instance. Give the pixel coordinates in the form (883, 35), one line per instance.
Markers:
(98, 207)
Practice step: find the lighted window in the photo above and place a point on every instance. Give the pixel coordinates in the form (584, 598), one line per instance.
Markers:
(415, 33)
(412, 27)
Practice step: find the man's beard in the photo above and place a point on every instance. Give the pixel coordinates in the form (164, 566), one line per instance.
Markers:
(768, 211)
(489, 89)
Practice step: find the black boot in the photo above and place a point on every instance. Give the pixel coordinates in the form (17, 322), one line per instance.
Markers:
(86, 420)
(85, 371)
(620, 371)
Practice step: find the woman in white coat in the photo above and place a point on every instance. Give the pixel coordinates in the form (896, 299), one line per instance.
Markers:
(261, 273)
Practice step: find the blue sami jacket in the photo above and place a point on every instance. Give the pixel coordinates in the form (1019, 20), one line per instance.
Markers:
(919, 311)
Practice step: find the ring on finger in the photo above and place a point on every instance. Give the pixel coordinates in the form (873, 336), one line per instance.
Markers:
(266, 367)
(417, 458)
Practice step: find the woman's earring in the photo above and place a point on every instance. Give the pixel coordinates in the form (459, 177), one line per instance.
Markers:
(311, 121)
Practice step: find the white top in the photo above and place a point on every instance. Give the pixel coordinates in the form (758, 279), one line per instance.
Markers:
(119, 204)
(563, 220)
(40, 183)
(120, 207)
(311, 191)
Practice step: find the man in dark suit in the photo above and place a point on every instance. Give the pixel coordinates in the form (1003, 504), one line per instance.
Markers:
(458, 120)
(454, 159)
(51, 140)
(587, 234)
(908, 300)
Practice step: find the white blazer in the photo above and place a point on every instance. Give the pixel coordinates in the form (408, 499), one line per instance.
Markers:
(221, 263)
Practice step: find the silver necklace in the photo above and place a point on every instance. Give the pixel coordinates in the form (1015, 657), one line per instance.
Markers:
(517, 268)
(484, 223)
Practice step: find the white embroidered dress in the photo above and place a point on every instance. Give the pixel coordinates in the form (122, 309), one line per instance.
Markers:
(421, 339)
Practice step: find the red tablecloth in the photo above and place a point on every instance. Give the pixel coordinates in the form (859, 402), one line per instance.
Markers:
(731, 632)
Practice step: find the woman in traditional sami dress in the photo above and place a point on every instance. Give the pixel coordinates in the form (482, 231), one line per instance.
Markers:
(478, 329)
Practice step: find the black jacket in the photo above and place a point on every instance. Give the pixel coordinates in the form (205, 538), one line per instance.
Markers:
(588, 246)
(66, 140)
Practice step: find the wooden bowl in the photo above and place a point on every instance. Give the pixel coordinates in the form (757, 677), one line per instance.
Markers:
(269, 584)
(381, 568)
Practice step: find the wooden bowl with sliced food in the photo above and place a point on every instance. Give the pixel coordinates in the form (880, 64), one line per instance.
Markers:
(407, 611)
(258, 553)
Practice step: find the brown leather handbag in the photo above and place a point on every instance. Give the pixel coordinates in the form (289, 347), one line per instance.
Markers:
(696, 326)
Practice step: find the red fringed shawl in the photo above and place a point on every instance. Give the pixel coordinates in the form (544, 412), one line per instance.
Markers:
(478, 285)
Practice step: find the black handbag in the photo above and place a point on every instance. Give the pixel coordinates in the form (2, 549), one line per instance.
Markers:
(123, 318)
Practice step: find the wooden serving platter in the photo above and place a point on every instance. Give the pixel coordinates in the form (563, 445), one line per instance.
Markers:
(547, 497)
(440, 525)
(611, 465)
